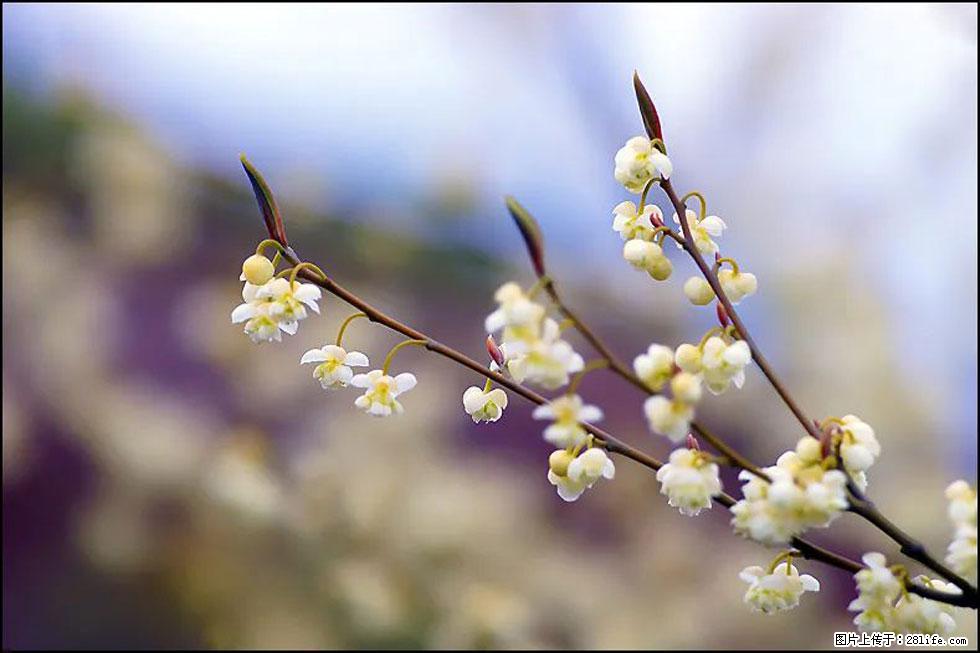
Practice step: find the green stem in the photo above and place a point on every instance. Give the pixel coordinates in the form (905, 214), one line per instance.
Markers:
(394, 350)
(343, 326)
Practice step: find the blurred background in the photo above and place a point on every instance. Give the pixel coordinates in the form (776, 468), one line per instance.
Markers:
(168, 484)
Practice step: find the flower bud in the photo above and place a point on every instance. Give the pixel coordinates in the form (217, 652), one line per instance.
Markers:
(558, 461)
(686, 387)
(809, 450)
(257, 269)
(660, 268)
(493, 350)
(698, 291)
(688, 358)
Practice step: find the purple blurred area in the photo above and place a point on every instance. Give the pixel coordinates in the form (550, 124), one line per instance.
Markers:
(168, 484)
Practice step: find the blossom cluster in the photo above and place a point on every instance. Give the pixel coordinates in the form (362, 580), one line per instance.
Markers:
(962, 552)
(576, 464)
(884, 604)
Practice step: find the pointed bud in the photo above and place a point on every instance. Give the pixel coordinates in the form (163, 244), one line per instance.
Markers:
(651, 121)
(496, 355)
(722, 315)
(692, 442)
(267, 203)
(531, 233)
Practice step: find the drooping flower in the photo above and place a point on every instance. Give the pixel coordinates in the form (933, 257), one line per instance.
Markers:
(858, 448)
(724, 364)
(484, 405)
(648, 256)
(916, 614)
(689, 480)
(638, 162)
(273, 307)
(260, 324)
(962, 552)
(698, 291)
(335, 363)
(655, 367)
(547, 361)
(634, 225)
(381, 390)
(572, 476)
(703, 231)
(737, 285)
(671, 418)
(519, 315)
(686, 387)
(567, 413)
(778, 590)
(257, 270)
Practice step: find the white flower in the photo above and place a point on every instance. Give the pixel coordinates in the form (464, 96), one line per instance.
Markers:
(689, 480)
(581, 472)
(688, 358)
(670, 418)
(776, 591)
(876, 583)
(858, 448)
(698, 291)
(915, 614)
(686, 387)
(547, 361)
(257, 270)
(962, 552)
(518, 314)
(381, 390)
(636, 226)
(648, 256)
(655, 367)
(723, 364)
(483, 405)
(335, 363)
(638, 162)
(702, 231)
(276, 305)
(260, 324)
(567, 413)
(737, 285)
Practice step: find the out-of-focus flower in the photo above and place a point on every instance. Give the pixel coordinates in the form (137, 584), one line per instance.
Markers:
(671, 418)
(962, 552)
(638, 162)
(858, 448)
(737, 285)
(655, 367)
(580, 472)
(686, 387)
(484, 405)
(689, 480)
(698, 291)
(381, 390)
(648, 256)
(916, 614)
(335, 363)
(719, 363)
(878, 587)
(516, 312)
(634, 225)
(567, 412)
(777, 590)
(257, 270)
(703, 231)
(547, 361)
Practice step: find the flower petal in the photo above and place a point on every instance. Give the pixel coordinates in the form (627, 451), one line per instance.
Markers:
(313, 356)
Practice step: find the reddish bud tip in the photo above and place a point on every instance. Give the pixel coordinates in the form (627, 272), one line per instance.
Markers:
(692, 442)
(722, 315)
(651, 121)
(531, 233)
(655, 219)
(496, 355)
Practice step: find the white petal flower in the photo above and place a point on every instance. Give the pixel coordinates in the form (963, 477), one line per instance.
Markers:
(688, 358)
(859, 448)
(516, 311)
(334, 365)
(573, 476)
(381, 390)
(547, 361)
(776, 591)
(484, 405)
(915, 614)
(273, 307)
(655, 367)
(636, 226)
(737, 285)
(669, 418)
(689, 480)
(962, 503)
(648, 256)
(724, 364)
(703, 231)
(698, 291)
(686, 387)
(567, 412)
(638, 162)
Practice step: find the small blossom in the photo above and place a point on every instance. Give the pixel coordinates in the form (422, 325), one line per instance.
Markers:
(547, 360)
(257, 270)
(655, 367)
(484, 405)
(671, 418)
(858, 448)
(737, 285)
(632, 225)
(567, 413)
(273, 307)
(686, 387)
(581, 473)
(689, 480)
(335, 363)
(916, 614)
(724, 364)
(876, 583)
(702, 231)
(962, 503)
(648, 256)
(778, 590)
(381, 390)
(688, 358)
(638, 162)
(698, 291)
(517, 312)
(962, 552)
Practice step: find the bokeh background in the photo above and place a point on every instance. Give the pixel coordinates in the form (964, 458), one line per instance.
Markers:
(168, 484)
